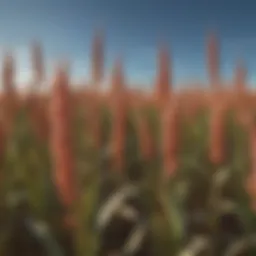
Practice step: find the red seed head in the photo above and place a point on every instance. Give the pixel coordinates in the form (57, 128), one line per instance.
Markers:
(170, 139)
(119, 103)
(61, 140)
(217, 134)
(119, 117)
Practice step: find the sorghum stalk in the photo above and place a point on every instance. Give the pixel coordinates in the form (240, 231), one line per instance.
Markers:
(217, 134)
(170, 138)
(119, 115)
(60, 120)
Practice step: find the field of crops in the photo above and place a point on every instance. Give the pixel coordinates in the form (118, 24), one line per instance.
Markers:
(127, 172)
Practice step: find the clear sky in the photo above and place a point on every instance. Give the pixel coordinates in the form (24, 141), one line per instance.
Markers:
(133, 29)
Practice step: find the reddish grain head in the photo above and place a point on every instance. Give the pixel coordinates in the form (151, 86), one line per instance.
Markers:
(119, 122)
(119, 101)
(217, 133)
(60, 121)
(170, 138)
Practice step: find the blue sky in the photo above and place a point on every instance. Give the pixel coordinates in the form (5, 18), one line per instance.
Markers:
(133, 29)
